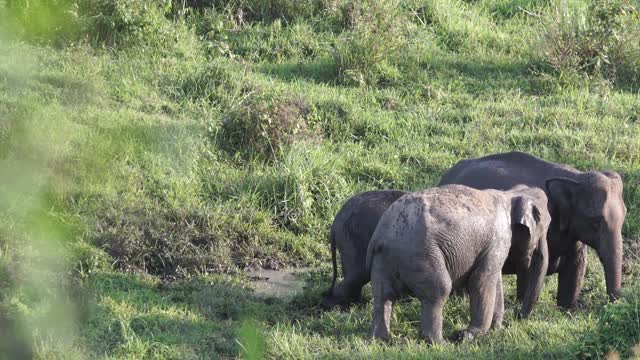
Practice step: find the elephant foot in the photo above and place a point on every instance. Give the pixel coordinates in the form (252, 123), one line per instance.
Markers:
(615, 295)
(566, 304)
(382, 335)
(328, 303)
(572, 310)
(432, 340)
(464, 336)
(331, 302)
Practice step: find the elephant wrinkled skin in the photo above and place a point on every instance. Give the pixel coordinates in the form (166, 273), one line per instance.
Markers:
(586, 208)
(430, 242)
(350, 234)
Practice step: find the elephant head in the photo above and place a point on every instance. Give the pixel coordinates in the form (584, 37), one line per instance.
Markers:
(530, 221)
(589, 207)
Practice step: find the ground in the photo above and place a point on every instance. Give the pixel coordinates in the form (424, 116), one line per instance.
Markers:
(152, 154)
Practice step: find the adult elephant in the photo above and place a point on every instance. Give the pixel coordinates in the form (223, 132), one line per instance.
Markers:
(586, 208)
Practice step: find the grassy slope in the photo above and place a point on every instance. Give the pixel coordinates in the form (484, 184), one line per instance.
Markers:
(116, 149)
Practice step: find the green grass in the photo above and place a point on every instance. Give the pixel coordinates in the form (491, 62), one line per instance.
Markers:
(137, 186)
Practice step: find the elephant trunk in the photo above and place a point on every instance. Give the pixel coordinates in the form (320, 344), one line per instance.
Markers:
(610, 254)
(535, 277)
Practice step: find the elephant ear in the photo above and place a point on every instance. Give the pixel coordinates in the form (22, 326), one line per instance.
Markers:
(561, 192)
(524, 212)
(524, 217)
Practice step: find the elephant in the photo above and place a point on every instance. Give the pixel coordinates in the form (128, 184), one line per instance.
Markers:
(431, 242)
(350, 233)
(587, 209)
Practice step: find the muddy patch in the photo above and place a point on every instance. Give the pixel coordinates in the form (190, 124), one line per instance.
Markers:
(284, 284)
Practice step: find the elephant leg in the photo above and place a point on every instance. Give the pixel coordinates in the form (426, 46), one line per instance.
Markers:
(482, 296)
(355, 277)
(498, 310)
(431, 320)
(349, 290)
(521, 279)
(432, 288)
(381, 322)
(571, 276)
(382, 304)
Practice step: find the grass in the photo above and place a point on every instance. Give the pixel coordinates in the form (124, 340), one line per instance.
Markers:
(152, 153)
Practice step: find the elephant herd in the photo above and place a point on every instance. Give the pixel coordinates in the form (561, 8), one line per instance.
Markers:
(508, 213)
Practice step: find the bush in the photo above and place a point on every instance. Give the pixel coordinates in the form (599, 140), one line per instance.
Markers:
(364, 54)
(618, 329)
(265, 126)
(602, 42)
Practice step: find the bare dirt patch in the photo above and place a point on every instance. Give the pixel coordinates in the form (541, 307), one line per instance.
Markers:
(284, 283)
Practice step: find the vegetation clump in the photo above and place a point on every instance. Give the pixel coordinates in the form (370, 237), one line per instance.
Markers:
(600, 41)
(266, 126)
(618, 330)
(376, 33)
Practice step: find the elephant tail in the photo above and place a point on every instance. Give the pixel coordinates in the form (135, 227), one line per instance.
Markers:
(334, 262)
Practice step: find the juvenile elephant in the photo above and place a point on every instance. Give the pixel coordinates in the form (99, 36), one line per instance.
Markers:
(350, 233)
(586, 208)
(430, 242)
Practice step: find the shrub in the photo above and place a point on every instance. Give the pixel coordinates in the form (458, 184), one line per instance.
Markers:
(364, 54)
(618, 329)
(602, 42)
(265, 126)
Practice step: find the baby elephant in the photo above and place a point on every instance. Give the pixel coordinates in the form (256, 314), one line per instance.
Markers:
(350, 234)
(430, 242)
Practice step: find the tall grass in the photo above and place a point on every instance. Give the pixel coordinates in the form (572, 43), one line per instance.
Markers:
(599, 41)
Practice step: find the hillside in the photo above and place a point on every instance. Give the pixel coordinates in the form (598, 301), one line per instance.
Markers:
(151, 152)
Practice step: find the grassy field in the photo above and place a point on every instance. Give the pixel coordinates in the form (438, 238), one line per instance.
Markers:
(153, 151)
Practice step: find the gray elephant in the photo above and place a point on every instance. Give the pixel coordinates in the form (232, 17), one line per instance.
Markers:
(586, 208)
(430, 242)
(350, 233)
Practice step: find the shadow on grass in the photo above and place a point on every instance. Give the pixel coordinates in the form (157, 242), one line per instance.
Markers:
(70, 90)
(319, 72)
(143, 316)
(482, 76)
